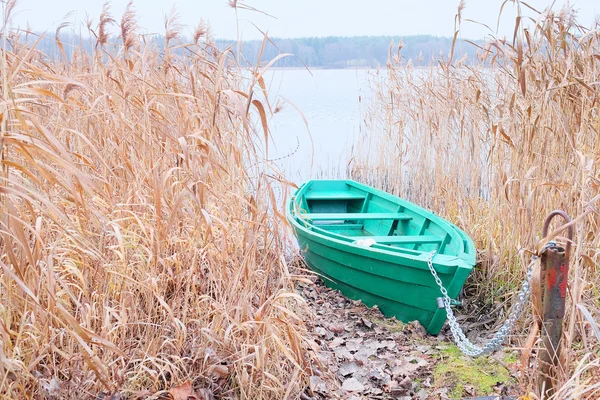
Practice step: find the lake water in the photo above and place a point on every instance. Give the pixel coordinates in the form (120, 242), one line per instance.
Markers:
(319, 122)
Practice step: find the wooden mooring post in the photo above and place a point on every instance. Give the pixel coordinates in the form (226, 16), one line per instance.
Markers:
(554, 277)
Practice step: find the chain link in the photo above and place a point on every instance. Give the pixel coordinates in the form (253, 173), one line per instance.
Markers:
(464, 344)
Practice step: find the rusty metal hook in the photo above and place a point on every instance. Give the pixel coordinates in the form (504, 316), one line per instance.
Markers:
(554, 271)
(570, 227)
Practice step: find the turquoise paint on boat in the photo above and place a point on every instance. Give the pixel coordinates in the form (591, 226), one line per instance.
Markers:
(374, 247)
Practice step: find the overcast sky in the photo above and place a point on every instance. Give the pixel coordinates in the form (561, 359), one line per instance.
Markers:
(296, 18)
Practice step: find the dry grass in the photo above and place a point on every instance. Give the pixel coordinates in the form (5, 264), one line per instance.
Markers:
(137, 249)
(495, 146)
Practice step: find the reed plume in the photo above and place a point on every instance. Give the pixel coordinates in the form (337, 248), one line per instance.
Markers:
(105, 20)
(129, 27)
(135, 253)
(495, 144)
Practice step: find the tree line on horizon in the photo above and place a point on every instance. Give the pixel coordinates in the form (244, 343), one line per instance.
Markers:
(355, 51)
(314, 52)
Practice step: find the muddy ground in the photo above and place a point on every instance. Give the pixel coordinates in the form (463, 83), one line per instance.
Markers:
(365, 355)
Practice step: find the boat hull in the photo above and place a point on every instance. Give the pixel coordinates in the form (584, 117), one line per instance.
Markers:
(397, 281)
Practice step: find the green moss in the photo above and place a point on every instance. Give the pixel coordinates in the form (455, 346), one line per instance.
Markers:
(456, 371)
(390, 324)
(511, 358)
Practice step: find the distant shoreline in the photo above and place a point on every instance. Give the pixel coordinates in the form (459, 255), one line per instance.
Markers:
(340, 68)
(321, 68)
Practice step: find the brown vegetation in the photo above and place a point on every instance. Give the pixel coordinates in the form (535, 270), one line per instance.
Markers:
(135, 251)
(495, 147)
(140, 245)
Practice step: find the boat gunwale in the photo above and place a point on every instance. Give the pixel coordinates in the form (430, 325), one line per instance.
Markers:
(467, 259)
(443, 263)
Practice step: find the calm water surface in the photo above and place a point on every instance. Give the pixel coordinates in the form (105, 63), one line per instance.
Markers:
(331, 102)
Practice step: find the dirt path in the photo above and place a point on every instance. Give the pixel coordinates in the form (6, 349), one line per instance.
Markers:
(369, 356)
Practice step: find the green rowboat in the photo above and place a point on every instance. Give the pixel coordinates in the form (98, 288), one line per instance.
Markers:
(374, 247)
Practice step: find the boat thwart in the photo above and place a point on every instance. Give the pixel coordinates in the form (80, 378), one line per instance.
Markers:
(375, 247)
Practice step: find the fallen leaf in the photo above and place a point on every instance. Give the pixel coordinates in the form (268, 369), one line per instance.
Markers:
(321, 331)
(399, 391)
(389, 344)
(366, 322)
(407, 366)
(317, 385)
(337, 328)
(379, 376)
(336, 342)
(218, 371)
(183, 392)
(353, 385)
(353, 344)
(376, 391)
(342, 353)
(365, 352)
(405, 383)
(348, 368)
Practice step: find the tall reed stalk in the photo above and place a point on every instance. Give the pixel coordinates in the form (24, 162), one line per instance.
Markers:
(137, 249)
(495, 145)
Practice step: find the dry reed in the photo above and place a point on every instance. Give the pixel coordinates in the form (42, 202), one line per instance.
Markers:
(495, 145)
(137, 249)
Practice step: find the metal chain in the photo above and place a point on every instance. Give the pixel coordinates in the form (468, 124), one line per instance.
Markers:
(464, 344)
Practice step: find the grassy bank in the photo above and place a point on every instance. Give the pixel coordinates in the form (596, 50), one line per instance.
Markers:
(495, 147)
(135, 254)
